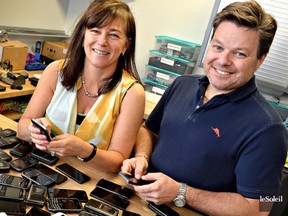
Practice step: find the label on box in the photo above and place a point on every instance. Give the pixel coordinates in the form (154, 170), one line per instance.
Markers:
(158, 90)
(65, 51)
(174, 47)
(167, 61)
(162, 76)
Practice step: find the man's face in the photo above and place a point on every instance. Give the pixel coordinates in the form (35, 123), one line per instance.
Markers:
(231, 58)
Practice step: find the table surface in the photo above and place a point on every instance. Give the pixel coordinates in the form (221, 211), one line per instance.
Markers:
(137, 204)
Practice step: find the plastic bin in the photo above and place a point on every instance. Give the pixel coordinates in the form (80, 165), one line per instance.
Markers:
(178, 48)
(160, 75)
(170, 63)
(154, 87)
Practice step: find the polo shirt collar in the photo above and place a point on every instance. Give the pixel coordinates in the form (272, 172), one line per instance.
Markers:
(236, 95)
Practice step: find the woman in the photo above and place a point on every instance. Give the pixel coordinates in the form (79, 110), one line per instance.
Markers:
(93, 100)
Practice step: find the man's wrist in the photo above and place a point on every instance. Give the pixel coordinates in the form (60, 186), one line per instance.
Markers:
(144, 156)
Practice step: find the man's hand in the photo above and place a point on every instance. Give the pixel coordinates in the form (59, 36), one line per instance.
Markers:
(136, 166)
(163, 189)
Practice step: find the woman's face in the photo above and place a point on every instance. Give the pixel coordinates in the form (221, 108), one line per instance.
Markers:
(104, 45)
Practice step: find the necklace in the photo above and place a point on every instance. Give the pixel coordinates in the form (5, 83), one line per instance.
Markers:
(85, 89)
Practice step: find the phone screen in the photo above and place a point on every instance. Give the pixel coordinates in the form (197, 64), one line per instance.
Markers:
(110, 198)
(15, 181)
(35, 211)
(21, 149)
(64, 205)
(115, 188)
(67, 193)
(23, 163)
(56, 176)
(95, 205)
(11, 193)
(44, 157)
(73, 173)
(13, 207)
(132, 180)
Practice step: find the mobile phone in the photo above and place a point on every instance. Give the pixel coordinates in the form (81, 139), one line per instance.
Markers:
(13, 207)
(86, 213)
(112, 187)
(4, 166)
(37, 177)
(110, 198)
(51, 173)
(73, 173)
(81, 195)
(44, 157)
(21, 149)
(22, 163)
(9, 142)
(64, 205)
(42, 128)
(95, 206)
(132, 180)
(4, 156)
(36, 211)
(37, 195)
(129, 213)
(15, 181)
(162, 210)
(7, 132)
(11, 193)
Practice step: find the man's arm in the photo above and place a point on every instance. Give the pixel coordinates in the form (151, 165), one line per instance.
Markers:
(142, 150)
(222, 203)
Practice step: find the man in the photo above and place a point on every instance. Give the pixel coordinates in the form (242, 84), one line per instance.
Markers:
(214, 143)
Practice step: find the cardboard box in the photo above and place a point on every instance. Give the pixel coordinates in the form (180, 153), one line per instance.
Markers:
(55, 49)
(15, 52)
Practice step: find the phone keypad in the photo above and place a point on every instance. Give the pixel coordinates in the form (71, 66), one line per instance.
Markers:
(6, 179)
(54, 203)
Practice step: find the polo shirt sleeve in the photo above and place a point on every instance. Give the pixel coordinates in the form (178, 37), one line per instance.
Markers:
(260, 162)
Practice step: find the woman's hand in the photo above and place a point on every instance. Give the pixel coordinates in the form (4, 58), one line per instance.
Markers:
(40, 140)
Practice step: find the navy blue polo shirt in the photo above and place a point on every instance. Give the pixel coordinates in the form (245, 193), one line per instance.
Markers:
(235, 142)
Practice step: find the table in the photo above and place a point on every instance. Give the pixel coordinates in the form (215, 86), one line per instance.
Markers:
(137, 204)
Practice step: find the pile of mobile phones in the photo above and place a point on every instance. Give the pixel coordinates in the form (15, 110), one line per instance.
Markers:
(112, 194)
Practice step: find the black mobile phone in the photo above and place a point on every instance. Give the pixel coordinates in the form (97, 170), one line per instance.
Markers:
(86, 213)
(11, 193)
(37, 195)
(112, 187)
(132, 180)
(42, 128)
(162, 210)
(4, 166)
(44, 157)
(7, 132)
(95, 206)
(51, 173)
(129, 213)
(22, 163)
(13, 207)
(36, 211)
(71, 205)
(4, 156)
(9, 142)
(15, 181)
(110, 198)
(21, 149)
(37, 177)
(81, 195)
(73, 173)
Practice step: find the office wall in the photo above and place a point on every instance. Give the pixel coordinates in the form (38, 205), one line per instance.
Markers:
(183, 19)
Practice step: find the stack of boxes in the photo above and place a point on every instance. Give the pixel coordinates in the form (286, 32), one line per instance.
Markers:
(170, 58)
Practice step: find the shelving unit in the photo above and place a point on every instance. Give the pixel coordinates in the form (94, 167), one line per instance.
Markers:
(169, 59)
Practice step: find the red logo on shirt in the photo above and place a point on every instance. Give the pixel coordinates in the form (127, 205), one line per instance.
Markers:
(216, 131)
